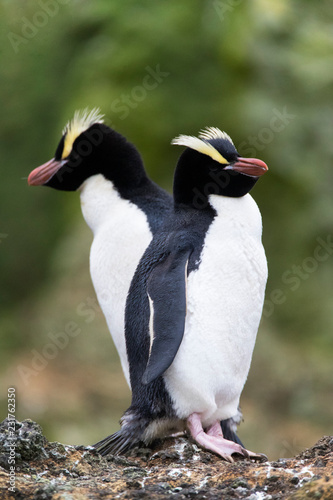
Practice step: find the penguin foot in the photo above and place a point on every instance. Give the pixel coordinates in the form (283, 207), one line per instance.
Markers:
(213, 440)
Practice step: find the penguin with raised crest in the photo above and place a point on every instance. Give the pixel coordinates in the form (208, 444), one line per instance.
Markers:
(195, 303)
(120, 204)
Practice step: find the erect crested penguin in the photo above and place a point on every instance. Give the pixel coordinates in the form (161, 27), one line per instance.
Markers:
(120, 204)
(195, 303)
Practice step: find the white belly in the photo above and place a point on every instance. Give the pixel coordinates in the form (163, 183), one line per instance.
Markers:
(121, 235)
(224, 304)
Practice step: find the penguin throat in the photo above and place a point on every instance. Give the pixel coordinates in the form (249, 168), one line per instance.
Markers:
(99, 201)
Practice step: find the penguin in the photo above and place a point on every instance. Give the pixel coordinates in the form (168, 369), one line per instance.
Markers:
(195, 303)
(120, 204)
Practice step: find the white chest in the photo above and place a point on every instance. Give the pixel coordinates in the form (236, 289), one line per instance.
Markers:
(224, 303)
(121, 235)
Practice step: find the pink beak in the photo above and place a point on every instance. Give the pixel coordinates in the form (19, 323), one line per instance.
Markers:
(249, 166)
(42, 174)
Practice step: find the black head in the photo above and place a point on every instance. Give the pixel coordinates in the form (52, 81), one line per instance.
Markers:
(212, 165)
(89, 147)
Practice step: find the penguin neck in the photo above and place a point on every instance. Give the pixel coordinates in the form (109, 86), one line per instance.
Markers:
(99, 201)
(121, 164)
(121, 177)
(188, 176)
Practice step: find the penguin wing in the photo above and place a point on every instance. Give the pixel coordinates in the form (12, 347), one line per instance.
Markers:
(166, 288)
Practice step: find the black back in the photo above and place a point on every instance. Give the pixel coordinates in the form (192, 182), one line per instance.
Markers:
(153, 201)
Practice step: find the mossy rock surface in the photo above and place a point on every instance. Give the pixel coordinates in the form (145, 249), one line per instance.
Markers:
(175, 468)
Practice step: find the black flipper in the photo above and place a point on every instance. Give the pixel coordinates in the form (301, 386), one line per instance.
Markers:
(166, 288)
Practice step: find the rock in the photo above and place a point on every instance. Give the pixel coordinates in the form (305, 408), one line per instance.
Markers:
(33, 468)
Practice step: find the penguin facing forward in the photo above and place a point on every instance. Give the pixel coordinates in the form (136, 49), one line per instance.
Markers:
(120, 204)
(195, 303)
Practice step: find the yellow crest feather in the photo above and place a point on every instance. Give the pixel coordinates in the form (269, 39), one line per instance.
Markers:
(201, 143)
(82, 120)
(214, 133)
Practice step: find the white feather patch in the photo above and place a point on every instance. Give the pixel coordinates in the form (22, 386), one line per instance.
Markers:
(200, 145)
(82, 120)
(151, 323)
(121, 235)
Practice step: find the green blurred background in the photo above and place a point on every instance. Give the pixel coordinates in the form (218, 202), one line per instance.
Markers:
(262, 70)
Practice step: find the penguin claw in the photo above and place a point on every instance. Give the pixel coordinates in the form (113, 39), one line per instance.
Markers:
(250, 455)
(260, 457)
(244, 454)
(227, 458)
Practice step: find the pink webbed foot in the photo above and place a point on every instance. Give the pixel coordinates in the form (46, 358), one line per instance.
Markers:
(213, 440)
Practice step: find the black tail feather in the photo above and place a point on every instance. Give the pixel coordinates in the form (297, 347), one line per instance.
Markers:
(116, 444)
(130, 435)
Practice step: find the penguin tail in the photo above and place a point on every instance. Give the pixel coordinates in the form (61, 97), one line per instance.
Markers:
(129, 436)
(116, 444)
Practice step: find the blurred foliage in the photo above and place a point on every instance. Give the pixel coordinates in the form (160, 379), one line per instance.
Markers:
(260, 70)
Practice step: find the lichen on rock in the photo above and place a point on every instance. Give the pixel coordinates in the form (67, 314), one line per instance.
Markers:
(174, 468)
